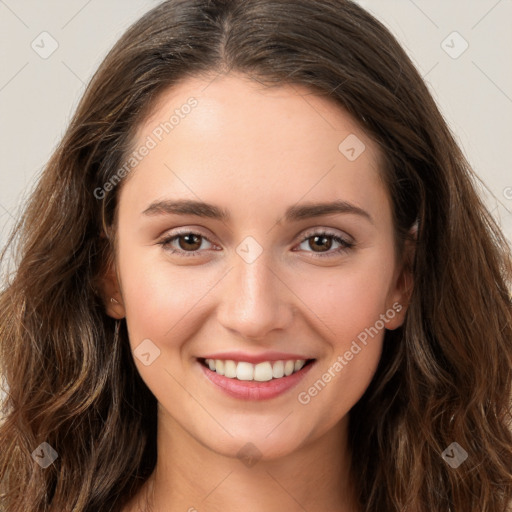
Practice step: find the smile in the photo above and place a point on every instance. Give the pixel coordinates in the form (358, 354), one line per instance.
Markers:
(261, 372)
(261, 380)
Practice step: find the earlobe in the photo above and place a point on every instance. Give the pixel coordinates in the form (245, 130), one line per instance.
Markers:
(113, 302)
(115, 308)
(111, 294)
(396, 315)
(403, 298)
(404, 285)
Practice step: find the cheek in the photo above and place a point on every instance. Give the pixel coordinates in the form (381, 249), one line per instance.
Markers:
(347, 309)
(162, 301)
(345, 300)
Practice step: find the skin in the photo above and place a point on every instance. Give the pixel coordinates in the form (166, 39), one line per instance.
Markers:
(254, 151)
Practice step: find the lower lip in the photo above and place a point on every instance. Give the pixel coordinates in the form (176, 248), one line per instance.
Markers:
(254, 390)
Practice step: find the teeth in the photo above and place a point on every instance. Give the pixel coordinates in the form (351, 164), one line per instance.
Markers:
(229, 369)
(260, 372)
(244, 371)
(278, 370)
(219, 366)
(263, 372)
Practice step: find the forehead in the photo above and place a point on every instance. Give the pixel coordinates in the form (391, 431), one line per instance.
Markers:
(249, 112)
(232, 137)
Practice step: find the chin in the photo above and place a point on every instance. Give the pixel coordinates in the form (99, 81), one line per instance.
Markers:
(262, 440)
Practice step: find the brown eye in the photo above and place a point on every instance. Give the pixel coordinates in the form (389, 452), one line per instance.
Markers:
(189, 243)
(322, 242)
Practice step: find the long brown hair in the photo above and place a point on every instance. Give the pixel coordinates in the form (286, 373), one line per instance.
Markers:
(444, 377)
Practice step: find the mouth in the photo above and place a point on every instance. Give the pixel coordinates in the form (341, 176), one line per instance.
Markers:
(260, 372)
(262, 381)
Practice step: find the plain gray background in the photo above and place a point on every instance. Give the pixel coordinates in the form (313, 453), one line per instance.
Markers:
(38, 92)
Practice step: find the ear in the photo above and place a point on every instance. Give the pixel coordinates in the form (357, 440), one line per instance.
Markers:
(110, 290)
(403, 282)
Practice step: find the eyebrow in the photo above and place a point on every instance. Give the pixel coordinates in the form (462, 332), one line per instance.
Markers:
(293, 213)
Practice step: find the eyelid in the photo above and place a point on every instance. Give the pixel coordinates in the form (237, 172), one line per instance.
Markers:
(342, 237)
(306, 233)
(328, 231)
(169, 237)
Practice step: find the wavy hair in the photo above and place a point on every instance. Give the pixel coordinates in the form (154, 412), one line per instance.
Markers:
(445, 376)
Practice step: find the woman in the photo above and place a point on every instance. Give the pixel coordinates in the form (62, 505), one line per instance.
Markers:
(180, 332)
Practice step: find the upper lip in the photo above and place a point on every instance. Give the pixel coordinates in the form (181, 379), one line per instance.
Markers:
(255, 358)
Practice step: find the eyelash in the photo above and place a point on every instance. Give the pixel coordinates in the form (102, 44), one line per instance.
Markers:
(345, 244)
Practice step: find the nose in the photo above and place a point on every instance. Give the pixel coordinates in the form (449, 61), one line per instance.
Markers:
(255, 299)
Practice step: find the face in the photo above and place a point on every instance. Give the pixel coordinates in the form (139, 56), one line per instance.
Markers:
(274, 279)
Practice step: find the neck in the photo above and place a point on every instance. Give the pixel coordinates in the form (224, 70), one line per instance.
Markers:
(191, 477)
